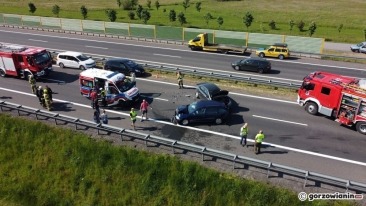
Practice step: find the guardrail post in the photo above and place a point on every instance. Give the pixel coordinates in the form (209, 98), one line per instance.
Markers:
(306, 178)
(236, 156)
(56, 118)
(173, 146)
(76, 124)
(146, 137)
(121, 134)
(347, 185)
(203, 154)
(98, 126)
(268, 169)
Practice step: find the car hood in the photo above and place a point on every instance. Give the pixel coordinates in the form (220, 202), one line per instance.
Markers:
(183, 109)
(220, 93)
(89, 61)
(138, 67)
(236, 62)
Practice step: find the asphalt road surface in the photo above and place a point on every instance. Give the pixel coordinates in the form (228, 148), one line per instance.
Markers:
(286, 124)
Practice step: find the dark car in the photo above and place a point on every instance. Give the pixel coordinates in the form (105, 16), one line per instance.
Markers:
(210, 91)
(124, 66)
(201, 112)
(259, 65)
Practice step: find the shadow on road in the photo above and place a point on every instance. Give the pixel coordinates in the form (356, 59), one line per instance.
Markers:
(5, 97)
(62, 106)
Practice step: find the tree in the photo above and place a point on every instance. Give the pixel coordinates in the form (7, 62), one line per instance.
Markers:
(32, 7)
(186, 4)
(172, 15)
(129, 4)
(181, 18)
(272, 24)
(248, 19)
(139, 11)
(292, 24)
(56, 10)
(157, 4)
(312, 28)
(340, 27)
(145, 15)
(84, 11)
(131, 15)
(198, 6)
(207, 18)
(111, 14)
(301, 25)
(148, 4)
(119, 3)
(220, 21)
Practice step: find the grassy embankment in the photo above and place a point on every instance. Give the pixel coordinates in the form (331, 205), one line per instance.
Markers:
(44, 165)
(328, 15)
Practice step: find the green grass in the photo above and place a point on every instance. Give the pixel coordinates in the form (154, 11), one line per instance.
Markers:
(328, 15)
(44, 165)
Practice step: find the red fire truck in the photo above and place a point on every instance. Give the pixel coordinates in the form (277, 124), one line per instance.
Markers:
(340, 97)
(22, 61)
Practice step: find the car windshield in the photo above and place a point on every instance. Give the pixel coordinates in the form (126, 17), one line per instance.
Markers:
(124, 85)
(131, 63)
(42, 57)
(82, 57)
(192, 107)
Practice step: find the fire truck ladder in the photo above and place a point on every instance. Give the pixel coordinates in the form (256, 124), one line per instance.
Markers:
(354, 88)
(11, 48)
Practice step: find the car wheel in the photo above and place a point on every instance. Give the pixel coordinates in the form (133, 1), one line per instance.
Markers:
(82, 67)
(218, 121)
(311, 108)
(61, 65)
(185, 122)
(2, 73)
(361, 127)
(261, 55)
(260, 71)
(281, 57)
(197, 95)
(237, 68)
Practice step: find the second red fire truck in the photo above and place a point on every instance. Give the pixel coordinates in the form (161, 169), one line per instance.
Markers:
(340, 97)
(22, 61)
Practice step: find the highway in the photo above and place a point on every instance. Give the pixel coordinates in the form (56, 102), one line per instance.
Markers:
(284, 122)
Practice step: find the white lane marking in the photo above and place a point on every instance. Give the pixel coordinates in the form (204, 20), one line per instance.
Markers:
(108, 42)
(38, 40)
(164, 55)
(209, 131)
(279, 120)
(161, 99)
(96, 47)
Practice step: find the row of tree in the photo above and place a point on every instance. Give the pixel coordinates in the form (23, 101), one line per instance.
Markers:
(144, 15)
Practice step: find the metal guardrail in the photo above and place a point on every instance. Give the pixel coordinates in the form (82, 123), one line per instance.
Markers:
(178, 145)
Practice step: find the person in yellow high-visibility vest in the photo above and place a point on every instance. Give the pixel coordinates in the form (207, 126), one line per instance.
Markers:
(258, 142)
(32, 82)
(47, 99)
(243, 134)
(180, 79)
(133, 115)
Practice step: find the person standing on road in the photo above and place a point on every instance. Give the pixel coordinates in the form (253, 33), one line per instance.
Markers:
(32, 82)
(47, 100)
(96, 117)
(143, 108)
(93, 98)
(49, 93)
(104, 117)
(180, 79)
(133, 115)
(258, 142)
(243, 134)
(39, 94)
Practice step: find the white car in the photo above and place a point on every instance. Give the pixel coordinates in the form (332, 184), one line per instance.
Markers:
(75, 60)
(361, 47)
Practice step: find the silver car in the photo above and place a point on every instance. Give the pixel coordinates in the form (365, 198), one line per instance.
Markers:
(361, 47)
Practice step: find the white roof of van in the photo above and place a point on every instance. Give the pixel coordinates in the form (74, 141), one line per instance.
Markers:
(71, 53)
(102, 74)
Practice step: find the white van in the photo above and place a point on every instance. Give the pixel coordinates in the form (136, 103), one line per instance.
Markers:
(74, 60)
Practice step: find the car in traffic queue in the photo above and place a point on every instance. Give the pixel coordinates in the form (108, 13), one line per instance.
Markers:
(210, 91)
(278, 50)
(255, 64)
(74, 60)
(205, 111)
(360, 47)
(124, 66)
(119, 90)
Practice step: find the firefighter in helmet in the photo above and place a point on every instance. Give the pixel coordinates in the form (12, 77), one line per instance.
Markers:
(32, 82)
(47, 99)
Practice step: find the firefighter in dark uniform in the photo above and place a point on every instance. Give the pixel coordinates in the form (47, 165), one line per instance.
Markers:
(32, 82)
(39, 94)
(47, 99)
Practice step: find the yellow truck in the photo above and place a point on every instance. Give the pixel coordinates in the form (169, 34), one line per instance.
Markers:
(201, 43)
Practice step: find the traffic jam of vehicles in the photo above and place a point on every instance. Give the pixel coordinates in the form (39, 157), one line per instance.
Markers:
(339, 97)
